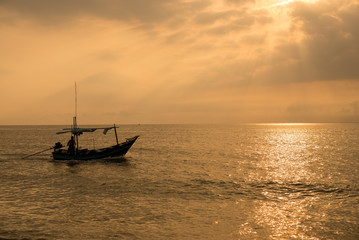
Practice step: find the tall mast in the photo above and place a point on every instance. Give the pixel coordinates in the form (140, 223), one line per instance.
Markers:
(75, 104)
(75, 120)
(75, 117)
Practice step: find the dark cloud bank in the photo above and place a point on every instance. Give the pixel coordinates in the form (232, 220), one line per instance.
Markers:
(123, 10)
(330, 48)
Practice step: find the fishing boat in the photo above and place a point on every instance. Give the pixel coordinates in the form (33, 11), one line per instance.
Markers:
(75, 153)
(120, 149)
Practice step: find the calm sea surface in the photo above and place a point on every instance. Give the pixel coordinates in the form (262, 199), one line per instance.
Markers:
(185, 182)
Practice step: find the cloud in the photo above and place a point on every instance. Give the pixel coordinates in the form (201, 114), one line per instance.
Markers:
(331, 38)
(309, 112)
(312, 112)
(321, 46)
(234, 20)
(122, 10)
(238, 2)
(208, 18)
(183, 59)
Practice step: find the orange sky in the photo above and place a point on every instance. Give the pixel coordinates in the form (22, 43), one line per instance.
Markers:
(179, 61)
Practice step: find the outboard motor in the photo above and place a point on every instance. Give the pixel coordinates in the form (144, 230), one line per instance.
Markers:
(58, 145)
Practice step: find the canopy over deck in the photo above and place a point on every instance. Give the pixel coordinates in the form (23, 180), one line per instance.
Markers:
(79, 131)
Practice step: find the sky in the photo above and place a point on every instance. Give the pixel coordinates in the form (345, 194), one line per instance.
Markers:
(179, 61)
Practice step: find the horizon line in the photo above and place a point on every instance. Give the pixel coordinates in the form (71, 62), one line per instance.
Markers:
(241, 123)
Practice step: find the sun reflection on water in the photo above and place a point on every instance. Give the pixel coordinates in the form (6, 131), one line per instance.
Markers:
(287, 154)
(286, 220)
(285, 162)
(288, 124)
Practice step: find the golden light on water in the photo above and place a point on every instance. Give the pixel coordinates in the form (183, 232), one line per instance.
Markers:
(287, 124)
(286, 218)
(286, 163)
(287, 153)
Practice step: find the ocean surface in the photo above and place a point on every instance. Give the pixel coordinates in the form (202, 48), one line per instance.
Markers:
(249, 181)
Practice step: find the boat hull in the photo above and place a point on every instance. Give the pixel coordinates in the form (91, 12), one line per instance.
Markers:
(113, 151)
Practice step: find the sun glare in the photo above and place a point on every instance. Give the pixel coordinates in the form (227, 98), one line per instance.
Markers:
(279, 3)
(283, 3)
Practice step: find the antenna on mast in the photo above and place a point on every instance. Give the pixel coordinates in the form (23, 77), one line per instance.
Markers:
(75, 117)
(75, 100)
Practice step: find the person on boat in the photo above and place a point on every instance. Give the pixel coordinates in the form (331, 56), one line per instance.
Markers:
(71, 144)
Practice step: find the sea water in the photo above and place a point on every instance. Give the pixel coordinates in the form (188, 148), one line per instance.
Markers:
(246, 181)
